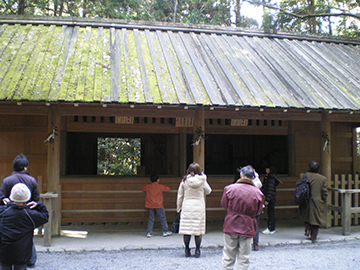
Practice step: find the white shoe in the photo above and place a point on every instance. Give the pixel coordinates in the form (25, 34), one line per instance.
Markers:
(149, 235)
(167, 233)
(267, 231)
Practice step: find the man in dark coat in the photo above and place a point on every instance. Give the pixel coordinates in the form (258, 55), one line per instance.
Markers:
(17, 224)
(314, 214)
(243, 202)
(20, 175)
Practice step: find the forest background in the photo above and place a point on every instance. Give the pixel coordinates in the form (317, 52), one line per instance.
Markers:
(326, 17)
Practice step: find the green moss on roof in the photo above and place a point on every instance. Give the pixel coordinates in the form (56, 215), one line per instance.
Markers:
(76, 64)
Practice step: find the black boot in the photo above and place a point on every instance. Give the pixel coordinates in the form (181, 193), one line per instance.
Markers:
(187, 252)
(197, 253)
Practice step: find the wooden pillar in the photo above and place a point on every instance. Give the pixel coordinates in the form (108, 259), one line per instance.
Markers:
(199, 149)
(48, 203)
(182, 154)
(53, 167)
(325, 162)
(356, 167)
(346, 214)
(291, 149)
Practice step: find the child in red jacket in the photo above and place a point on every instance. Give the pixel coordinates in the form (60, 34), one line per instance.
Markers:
(154, 202)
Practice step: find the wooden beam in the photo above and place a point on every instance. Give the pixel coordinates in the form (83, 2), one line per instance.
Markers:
(291, 148)
(116, 110)
(199, 149)
(182, 152)
(325, 156)
(344, 117)
(124, 128)
(228, 113)
(53, 168)
(159, 128)
(24, 108)
(23, 129)
(247, 130)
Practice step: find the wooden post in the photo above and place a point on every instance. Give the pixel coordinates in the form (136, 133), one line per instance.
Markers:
(53, 168)
(182, 154)
(199, 150)
(47, 227)
(291, 147)
(336, 199)
(346, 215)
(356, 198)
(325, 163)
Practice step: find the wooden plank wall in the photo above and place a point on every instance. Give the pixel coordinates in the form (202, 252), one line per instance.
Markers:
(344, 181)
(342, 148)
(24, 134)
(119, 199)
(307, 144)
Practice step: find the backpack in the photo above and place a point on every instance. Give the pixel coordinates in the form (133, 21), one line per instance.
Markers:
(303, 192)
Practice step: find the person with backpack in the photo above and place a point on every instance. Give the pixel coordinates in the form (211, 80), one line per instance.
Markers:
(271, 181)
(313, 213)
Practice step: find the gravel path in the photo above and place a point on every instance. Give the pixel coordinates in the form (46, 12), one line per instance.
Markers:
(324, 256)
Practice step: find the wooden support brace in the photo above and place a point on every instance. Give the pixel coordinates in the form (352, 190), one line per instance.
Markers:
(47, 227)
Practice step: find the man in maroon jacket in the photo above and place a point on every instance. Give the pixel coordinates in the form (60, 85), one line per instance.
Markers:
(243, 202)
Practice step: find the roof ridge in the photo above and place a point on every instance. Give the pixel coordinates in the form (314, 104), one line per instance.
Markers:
(176, 27)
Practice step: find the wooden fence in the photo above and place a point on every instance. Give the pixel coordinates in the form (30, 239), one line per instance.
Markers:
(338, 188)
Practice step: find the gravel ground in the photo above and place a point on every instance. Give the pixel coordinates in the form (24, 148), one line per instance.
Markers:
(324, 256)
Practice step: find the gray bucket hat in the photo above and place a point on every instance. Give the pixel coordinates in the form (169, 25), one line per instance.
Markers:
(20, 193)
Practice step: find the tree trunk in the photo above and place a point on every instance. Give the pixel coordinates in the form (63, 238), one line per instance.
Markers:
(22, 6)
(175, 8)
(312, 21)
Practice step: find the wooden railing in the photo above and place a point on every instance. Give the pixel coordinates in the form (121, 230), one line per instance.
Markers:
(343, 202)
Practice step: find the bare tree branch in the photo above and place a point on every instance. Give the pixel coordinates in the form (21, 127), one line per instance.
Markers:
(8, 7)
(298, 16)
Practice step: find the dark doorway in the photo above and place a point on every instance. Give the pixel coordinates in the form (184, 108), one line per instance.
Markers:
(225, 153)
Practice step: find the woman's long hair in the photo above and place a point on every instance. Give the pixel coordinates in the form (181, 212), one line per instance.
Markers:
(194, 168)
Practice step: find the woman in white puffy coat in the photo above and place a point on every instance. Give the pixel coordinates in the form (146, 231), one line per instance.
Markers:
(191, 197)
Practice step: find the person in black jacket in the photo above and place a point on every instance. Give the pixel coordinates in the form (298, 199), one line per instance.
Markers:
(269, 189)
(20, 175)
(18, 220)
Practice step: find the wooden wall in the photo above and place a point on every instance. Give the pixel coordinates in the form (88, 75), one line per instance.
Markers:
(98, 199)
(120, 199)
(24, 134)
(309, 144)
(342, 149)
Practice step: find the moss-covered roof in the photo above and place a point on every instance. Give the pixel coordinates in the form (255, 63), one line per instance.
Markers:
(67, 60)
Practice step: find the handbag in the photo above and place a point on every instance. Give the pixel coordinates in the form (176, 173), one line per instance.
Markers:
(176, 223)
